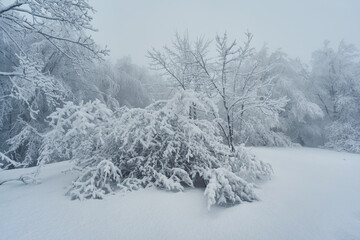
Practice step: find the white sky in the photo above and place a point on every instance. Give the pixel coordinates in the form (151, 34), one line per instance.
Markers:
(130, 28)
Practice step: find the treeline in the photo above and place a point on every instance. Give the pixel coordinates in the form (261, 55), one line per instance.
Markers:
(266, 98)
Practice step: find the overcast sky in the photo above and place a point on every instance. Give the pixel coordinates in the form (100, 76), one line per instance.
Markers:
(298, 27)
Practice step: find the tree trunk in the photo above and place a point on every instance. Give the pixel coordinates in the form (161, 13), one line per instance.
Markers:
(231, 132)
(192, 111)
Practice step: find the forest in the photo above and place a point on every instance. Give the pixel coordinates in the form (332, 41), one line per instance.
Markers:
(188, 120)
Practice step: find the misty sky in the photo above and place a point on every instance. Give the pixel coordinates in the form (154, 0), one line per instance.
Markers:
(130, 28)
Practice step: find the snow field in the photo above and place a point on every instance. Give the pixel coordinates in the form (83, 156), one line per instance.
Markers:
(314, 194)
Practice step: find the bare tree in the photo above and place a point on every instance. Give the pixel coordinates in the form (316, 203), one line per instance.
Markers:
(238, 77)
(180, 65)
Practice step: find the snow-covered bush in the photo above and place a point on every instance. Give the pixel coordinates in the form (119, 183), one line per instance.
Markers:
(258, 128)
(226, 187)
(77, 133)
(96, 181)
(344, 137)
(157, 146)
(249, 167)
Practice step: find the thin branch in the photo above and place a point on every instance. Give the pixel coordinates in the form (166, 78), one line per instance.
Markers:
(12, 6)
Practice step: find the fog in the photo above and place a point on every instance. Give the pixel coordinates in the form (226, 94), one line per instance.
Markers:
(297, 27)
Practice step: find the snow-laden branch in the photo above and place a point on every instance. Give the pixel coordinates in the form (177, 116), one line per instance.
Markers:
(41, 17)
(11, 74)
(9, 161)
(12, 6)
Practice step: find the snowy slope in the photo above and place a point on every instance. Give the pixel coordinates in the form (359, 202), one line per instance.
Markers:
(314, 194)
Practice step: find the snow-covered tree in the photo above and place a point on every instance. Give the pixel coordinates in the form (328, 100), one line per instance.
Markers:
(300, 119)
(336, 76)
(31, 97)
(157, 146)
(35, 38)
(238, 77)
(41, 18)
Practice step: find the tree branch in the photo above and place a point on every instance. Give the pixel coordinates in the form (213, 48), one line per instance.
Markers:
(12, 6)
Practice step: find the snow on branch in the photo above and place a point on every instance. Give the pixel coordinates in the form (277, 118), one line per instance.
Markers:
(9, 161)
(96, 181)
(43, 17)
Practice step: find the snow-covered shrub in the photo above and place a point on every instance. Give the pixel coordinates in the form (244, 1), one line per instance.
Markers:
(157, 146)
(249, 167)
(163, 147)
(95, 182)
(77, 133)
(259, 129)
(226, 187)
(344, 137)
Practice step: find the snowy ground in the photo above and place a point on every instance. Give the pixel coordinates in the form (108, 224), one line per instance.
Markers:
(314, 194)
